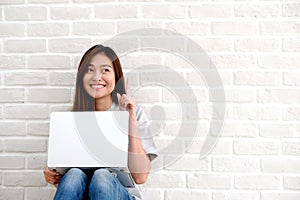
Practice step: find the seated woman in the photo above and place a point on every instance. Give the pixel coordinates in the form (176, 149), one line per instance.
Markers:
(100, 87)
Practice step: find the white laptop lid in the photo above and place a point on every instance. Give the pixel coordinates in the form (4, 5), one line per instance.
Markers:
(88, 139)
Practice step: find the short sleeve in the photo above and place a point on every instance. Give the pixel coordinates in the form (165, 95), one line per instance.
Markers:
(145, 135)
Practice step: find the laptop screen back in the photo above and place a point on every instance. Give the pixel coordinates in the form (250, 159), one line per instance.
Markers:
(88, 139)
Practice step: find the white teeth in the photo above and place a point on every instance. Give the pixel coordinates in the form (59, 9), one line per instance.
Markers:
(97, 86)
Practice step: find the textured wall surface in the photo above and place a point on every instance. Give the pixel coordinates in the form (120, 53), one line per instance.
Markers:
(254, 45)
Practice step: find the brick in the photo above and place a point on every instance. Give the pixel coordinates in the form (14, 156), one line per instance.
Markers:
(26, 112)
(93, 28)
(163, 77)
(189, 28)
(257, 45)
(279, 61)
(170, 147)
(139, 63)
(234, 61)
(208, 181)
(24, 179)
(247, 112)
(115, 11)
(166, 180)
(12, 95)
(257, 182)
(149, 194)
(48, 29)
(61, 108)
(291, 10)
(11, 193)
(186, 194)
(12, 29)
(70, 13)
(36, 161)
(25, 13)
(210, 11)
(12, 162)
(247, 147)
(278, 96)
(124, 26)
(147, 95)
(291, 44)
(291, 113)
(92, 1)
(195, 79)
(235, 164)
(280, 165)
(222, 147)
(25, 145)
(236, 129)
(38, 128)
(40, 193)
(236, 95)
(291, 78)
(49, 62)
(185, 163)
(274, 130)
(4, 2)
(185, 129)
(280, 195)
(235, 195)
(164, 11)
(53, 95)
(69, 45)
(12, 62)
(280, 27)
(234, 28)
(25, 46)
(215, 44)
(12, 128)
(255, 78)
(257, 10)
(291, 182)
(164, 42)
(25, 78)
(48, 1)
(271, 113)
(291, 148)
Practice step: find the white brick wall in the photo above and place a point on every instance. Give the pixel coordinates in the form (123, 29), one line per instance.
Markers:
(255, 46)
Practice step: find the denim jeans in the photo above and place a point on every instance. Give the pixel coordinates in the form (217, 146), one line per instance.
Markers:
(99, 184)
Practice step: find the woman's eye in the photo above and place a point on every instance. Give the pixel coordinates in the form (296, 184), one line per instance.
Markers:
(90, 70)
(105, 70)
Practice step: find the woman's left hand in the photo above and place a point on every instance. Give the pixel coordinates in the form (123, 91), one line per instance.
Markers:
(126, 102)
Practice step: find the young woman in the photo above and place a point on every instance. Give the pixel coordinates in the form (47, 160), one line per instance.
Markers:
(100, 87)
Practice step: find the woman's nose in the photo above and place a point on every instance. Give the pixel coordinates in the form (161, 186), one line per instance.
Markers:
(97, 75)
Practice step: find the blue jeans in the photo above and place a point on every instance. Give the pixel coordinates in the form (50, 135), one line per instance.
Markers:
(97, 185)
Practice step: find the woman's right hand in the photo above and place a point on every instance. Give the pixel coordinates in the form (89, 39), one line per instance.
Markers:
(52, 177)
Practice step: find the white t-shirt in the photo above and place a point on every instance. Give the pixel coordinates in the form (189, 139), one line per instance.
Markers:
(147, 143)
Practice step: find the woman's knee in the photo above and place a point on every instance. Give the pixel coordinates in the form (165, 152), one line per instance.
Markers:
(75, 178)
(102, 178)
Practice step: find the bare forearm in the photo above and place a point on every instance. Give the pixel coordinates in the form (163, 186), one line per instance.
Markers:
(139, 163)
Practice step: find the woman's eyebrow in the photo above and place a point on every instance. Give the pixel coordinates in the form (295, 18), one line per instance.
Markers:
(104, 65)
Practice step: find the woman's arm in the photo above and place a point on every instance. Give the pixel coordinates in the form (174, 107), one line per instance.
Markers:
(139, 162)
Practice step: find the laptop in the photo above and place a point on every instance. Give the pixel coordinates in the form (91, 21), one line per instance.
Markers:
(90, 140)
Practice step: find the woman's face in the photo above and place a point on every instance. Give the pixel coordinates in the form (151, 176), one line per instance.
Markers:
(99, 78)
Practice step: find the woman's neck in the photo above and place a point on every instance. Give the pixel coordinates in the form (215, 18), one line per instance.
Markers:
(103, 104)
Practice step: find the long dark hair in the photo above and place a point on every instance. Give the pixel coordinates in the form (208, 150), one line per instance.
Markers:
(83, 101)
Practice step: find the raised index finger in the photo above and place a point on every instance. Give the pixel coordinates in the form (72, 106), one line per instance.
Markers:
(127, 87)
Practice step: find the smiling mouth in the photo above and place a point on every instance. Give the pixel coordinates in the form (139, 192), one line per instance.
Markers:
(97, 86)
